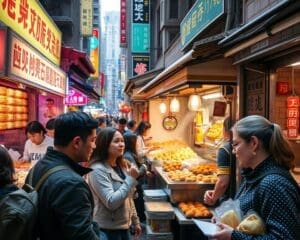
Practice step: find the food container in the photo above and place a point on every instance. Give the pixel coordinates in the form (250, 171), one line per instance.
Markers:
(155, 195)
(157, 236)
(159, 216)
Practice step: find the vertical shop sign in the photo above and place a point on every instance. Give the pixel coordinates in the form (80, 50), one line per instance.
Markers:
(201, 15)
(255, 96)
(86, 17)
(94, 51)
(140, 28)
(292, 116)
(140, 65)
(29, 20)
(123, 22)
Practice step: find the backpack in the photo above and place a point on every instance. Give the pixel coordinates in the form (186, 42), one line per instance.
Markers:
(19, 209)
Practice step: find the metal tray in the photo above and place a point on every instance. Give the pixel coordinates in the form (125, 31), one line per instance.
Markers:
(184, 191)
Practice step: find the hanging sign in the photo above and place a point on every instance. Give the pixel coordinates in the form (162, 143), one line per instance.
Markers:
(292, 116)
(76, 98)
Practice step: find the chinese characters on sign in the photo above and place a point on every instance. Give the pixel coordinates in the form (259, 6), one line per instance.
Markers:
(31, 21)
(27, 64)
(76, 98)
(140, 64)
(292, 116)
(203, 13)
(94, 51)
(255, 96)
(123, 22)
(140, 26)
(282, 88)
(86, 17)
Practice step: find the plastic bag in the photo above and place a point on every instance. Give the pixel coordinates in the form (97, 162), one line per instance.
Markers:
(252, 224)
(229, 213)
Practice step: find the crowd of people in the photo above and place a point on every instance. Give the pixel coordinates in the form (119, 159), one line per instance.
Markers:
(97, 195)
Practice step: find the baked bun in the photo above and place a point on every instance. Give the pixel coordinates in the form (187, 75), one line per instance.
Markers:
(230, 218)
(252, 224)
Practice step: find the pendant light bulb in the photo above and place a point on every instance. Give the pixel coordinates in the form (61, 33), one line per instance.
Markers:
(194, 102)
(174, 105)
(162, 108)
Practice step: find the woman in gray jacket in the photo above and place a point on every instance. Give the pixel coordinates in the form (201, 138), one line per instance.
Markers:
(112, 183)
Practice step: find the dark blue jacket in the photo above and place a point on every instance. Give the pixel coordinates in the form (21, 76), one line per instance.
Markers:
(65, 200)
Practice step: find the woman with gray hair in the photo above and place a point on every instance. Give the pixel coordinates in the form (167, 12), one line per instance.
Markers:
(267, 187)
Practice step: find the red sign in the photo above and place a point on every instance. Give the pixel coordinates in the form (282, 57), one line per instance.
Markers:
(2, 48)
(282, 88)
(76, 98)
(292, 116)
(293, 101)
(123, 38)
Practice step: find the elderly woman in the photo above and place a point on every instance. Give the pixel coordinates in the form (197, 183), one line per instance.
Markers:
(267, 186)
(112, 183)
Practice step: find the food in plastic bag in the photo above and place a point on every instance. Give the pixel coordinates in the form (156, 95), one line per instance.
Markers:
(230, 218)
(252, 224)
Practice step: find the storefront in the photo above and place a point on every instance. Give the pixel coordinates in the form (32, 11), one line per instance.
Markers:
(31, 88)
(78, 67)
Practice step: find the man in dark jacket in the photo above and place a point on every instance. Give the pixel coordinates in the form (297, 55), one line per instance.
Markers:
(65, 200)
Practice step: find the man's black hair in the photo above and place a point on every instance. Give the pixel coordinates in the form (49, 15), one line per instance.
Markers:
(131, 124)
(50, 124)
(122, 121)
(73, 124)
(35, 127)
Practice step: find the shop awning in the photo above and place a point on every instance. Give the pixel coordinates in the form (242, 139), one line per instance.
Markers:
(85, 88)
(215, 72)
(71, 56)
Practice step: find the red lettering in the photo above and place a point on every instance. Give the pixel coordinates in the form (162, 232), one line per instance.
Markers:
(48, 39)
(10, 6)
(24, 61)
(32, 22)
(23, 12)
(43, 34)
(17, 56)
(31, 64)
(37, 68)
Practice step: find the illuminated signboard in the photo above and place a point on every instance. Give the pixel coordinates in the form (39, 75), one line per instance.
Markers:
(76, 98)
(86, 17)
(140, 28)
(3, 47)
(32, 68)
(140, 65)
(31, 21)
(123, 22)
(94, 51)
(201, 15)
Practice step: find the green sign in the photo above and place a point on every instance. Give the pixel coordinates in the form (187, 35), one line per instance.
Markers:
(140, 38)
(201, 15)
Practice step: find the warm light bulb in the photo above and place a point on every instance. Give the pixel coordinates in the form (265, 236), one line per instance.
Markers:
(194, 103)
(174, 105)
(162, 107)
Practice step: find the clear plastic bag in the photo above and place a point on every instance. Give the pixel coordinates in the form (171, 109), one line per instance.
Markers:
(229, 213)
(252, 224)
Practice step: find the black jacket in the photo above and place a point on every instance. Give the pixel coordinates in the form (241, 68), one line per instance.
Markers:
(65, 200)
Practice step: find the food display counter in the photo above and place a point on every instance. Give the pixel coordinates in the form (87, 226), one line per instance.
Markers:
(183, 191)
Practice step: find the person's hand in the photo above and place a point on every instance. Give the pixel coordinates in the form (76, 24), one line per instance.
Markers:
(133, 172)
(224, 233)
(208, 198)
(137, 231)
(149, 174)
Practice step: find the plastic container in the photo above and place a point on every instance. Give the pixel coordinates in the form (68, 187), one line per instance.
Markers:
(155, 195)
(159, 210)
(157, 236)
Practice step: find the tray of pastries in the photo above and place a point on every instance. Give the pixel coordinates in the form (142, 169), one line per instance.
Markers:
(194, 210)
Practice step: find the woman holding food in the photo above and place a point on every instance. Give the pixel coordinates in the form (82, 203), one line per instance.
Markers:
(267, 187)
(112, 183)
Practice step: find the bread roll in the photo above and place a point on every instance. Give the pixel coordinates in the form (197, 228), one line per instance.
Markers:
(3, 91)
(10, 92)
(252, 224)
(230, 218)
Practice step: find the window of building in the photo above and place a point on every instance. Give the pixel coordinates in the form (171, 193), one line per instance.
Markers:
(173, 9)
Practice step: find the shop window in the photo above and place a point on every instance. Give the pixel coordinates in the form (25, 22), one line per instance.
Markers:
(173, 9)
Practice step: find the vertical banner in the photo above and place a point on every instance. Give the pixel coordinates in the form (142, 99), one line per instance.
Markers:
(86, 17)
(123, 22)
(140, 27)
(292, 116)
(94, 51)
(140, 65)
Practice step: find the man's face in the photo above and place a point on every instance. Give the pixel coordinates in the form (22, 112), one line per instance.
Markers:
(36, 138)
(122, 127)
(49, 103)
(86, 148)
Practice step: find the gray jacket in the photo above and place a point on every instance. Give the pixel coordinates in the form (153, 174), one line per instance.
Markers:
(113, 197)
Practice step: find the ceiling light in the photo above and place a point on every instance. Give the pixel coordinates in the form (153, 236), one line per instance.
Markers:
(194, 102)
(212, 95)
(174, 105)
